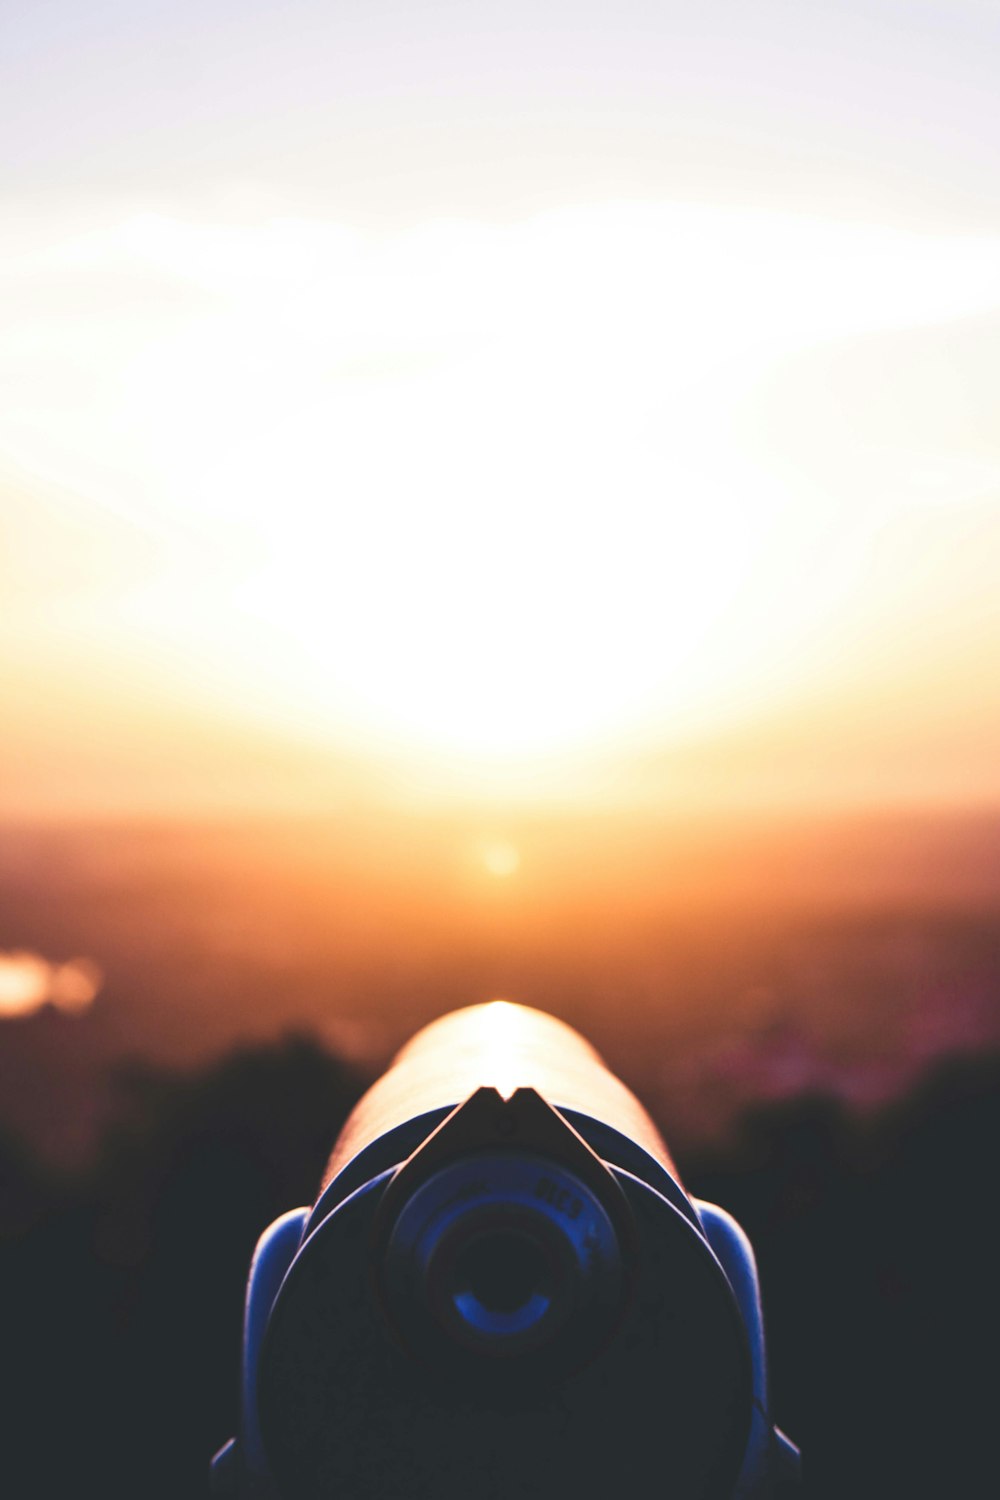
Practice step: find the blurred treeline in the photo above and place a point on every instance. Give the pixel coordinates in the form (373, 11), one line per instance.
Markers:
(122, 1289)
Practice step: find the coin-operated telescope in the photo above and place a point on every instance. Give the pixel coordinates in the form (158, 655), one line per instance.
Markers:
(503, 1292)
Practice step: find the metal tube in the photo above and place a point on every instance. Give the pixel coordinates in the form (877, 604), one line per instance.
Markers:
(505, 1047)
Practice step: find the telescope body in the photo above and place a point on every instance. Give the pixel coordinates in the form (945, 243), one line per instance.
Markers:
(503, 1290)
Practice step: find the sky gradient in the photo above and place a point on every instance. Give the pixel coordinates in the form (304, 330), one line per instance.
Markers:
(531, 402)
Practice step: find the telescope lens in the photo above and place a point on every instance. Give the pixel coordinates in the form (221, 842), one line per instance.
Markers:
(502, 1282)
(503, 1255)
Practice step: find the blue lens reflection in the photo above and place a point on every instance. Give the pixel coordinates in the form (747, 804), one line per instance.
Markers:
(501, 1323)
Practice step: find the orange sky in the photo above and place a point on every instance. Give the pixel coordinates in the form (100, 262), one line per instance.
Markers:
(671, 487)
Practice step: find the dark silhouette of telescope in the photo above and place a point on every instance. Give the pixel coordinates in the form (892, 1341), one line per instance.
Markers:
(503, 1291)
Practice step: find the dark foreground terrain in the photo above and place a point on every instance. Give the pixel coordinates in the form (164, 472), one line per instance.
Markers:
(811, 1013)
(122, 1288)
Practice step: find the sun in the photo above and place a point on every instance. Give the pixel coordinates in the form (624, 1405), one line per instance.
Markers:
(479, 492)
(509, 541)
(500, 858)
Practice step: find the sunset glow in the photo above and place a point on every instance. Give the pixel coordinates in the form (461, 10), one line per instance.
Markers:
(492, 492)
(523, 411)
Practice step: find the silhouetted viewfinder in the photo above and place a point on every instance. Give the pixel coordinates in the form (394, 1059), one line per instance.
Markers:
(503, 1289)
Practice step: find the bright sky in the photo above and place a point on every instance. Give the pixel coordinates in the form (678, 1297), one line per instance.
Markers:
(503, 392)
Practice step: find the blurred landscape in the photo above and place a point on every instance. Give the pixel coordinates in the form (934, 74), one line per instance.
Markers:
(714, 962)
(810, 1007)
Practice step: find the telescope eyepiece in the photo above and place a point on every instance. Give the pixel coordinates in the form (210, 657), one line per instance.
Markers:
(502, 1255)
(502, 1283)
